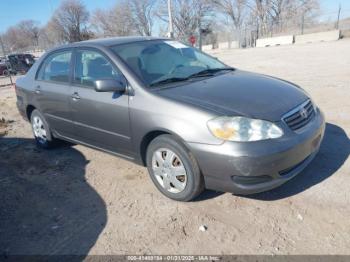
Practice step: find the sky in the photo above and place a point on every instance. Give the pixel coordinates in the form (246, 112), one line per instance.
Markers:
(14, 11)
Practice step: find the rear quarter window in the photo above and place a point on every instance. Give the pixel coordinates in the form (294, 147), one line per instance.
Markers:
(56, 67)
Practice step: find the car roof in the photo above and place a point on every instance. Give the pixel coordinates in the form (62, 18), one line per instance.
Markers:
(111, 41)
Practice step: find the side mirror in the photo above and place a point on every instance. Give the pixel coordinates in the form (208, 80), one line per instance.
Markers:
(111, 85)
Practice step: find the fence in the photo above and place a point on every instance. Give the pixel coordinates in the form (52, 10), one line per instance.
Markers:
(6, 81)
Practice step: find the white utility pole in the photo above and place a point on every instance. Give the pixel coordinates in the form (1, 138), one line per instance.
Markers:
(171, 31)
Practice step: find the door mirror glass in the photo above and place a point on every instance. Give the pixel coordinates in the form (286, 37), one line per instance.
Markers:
(111, 85)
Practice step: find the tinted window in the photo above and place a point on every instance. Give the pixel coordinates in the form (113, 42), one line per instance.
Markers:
(91, 66)
(56, 67)
(158, 60)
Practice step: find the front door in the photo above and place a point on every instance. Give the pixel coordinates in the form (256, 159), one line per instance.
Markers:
(101, 118)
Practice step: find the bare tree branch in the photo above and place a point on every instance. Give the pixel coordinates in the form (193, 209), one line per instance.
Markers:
(70, 20)
(142, 12)
(115, 22)
(24, 35)
(188, 16)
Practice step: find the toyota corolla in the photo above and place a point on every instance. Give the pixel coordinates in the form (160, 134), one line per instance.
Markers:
(193, 121)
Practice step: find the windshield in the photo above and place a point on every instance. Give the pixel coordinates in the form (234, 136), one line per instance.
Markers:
(163, 60)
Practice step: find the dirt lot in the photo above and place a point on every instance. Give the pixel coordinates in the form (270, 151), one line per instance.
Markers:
(75, 200)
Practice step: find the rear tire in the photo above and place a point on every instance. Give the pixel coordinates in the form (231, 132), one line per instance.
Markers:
(173, 169)
(41, 130)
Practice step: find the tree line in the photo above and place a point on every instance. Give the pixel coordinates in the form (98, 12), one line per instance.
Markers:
(236, 19)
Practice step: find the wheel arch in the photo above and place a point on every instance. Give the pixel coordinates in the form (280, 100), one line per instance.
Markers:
(29, 111)
(150, 136)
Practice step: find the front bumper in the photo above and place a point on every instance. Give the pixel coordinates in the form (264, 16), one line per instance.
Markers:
(253, 167)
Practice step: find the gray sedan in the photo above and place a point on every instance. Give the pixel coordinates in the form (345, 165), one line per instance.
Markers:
(192, 120)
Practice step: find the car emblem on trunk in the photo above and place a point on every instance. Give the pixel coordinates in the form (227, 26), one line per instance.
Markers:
(303, 113)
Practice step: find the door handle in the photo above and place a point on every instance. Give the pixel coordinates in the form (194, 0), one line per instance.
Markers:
(75, 96)
(37, 90)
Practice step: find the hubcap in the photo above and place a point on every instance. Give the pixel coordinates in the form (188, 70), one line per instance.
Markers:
(39, 129)
(169, 171)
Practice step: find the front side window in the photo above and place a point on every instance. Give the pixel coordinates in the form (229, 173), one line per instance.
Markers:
(91, 66)
(156, 61)
(56, 67)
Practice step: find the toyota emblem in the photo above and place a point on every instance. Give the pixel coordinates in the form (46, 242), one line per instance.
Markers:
(303, 113)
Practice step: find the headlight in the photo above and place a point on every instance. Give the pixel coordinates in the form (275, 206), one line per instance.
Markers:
(243, 129)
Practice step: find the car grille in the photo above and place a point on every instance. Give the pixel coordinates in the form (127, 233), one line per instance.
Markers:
(300, 116)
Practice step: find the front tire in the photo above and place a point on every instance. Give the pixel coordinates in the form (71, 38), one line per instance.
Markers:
(173, 169)
(41, 130)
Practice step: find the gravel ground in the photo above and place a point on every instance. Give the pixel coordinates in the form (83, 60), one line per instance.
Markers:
(75, 200)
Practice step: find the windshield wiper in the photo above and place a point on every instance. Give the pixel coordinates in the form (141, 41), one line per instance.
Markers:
(210, 71)
(169, 80)
(206, 72)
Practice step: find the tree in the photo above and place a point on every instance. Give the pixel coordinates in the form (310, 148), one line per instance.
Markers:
(31, 30)
(260, 10)
(280, 15)
(115, 22)
(306, 10)
(188, 16)
(235, 11)
(142, 15)
(69, 21)
(22, 36)
(277, 10)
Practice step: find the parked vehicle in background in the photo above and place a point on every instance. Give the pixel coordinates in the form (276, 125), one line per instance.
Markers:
(21, 62)
(193, 121)
(6, 69)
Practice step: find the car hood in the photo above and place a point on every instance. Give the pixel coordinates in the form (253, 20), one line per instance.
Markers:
(240, 93)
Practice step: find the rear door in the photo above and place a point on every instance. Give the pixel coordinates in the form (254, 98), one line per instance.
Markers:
(52, 91)
(101, 118)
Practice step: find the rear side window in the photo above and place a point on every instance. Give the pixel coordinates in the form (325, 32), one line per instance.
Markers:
(91, 66)
(56, 67)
